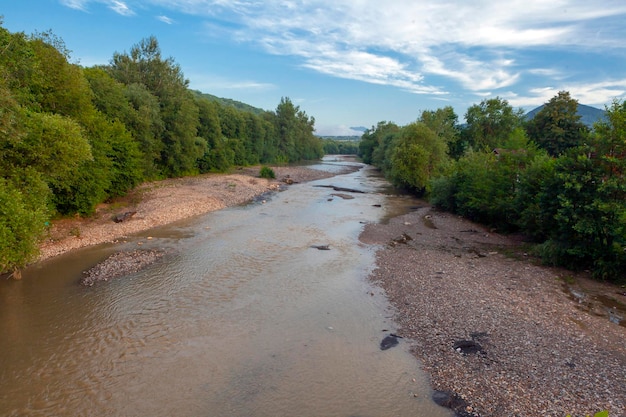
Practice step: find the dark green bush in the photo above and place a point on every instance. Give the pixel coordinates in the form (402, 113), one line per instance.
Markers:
(267, 172)
(23, 217)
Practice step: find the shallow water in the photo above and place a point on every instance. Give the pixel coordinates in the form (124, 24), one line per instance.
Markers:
(241, 318)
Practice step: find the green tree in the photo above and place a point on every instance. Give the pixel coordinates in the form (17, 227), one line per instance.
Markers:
(54, 145)
(146, 126)
(181, 147)
(557, 126)
(375, 141)
(23, 217)
(444, 122)
(583, 202)
(417, 155)
(296, 140)
(61, 87)
(490, 123)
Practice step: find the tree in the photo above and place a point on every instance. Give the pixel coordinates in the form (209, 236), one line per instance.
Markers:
(181, 147)
(416, 156)
(375, 142)
(557, 126)
(490, 123)
(444, 122)
(582, 203)
(61, 87)
(23, 217)
(296, 140)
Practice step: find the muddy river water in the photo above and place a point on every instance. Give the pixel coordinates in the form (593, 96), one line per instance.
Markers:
(241, 317)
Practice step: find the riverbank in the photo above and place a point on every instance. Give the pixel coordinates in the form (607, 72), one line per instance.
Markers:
(505, 335)
(542, 348)
(163, 202)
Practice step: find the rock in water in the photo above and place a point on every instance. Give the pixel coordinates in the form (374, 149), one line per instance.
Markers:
(321, 247)
(389, 342)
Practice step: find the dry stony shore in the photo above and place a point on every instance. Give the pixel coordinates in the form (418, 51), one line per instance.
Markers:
(163, 202)
(541, 345)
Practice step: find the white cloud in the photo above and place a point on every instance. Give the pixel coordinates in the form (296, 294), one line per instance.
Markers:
(425, 47)
(165, 19)
(75, 4)
(594, 94)
(207, 82)
(120, 7)
(398, 43)
(117, 6)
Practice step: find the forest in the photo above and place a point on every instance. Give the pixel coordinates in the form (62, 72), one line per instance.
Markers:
(552, 179)
(72, 137)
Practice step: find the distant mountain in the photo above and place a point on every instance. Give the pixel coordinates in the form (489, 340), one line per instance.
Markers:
(359, 128)
(230, 102)
(589, 115)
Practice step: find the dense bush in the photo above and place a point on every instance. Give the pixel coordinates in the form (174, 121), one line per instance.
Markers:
(23, 217)
(267, 172)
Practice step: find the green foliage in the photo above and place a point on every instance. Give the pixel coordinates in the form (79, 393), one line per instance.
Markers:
(444, 122)
(181, 147)
(294, 128)
(375, 141)
(489, 124)
(340, 147)
(589, 229)
(604, 413)
(267, 172)
(23, 216)
(557, 126)
(417, 155)
(572, 205)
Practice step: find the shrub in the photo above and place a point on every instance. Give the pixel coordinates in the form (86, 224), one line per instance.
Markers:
(267, 172)
(23, 217)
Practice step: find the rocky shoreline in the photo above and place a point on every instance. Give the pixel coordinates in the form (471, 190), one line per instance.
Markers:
(533, 350)
(162, 202)
(498, 334)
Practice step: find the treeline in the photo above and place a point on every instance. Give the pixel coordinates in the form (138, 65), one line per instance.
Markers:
(340, 147)
(551, 178)
(72, 137)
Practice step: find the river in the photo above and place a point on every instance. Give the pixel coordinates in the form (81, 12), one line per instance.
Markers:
(242, 317)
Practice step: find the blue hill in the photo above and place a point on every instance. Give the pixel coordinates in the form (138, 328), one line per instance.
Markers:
(588, 115)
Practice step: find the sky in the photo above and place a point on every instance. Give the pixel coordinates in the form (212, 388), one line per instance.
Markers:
(356, 63)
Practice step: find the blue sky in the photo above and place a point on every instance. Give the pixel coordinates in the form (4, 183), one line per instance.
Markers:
(358, 62)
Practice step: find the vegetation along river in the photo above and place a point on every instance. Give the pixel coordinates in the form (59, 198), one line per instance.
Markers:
(241, 317)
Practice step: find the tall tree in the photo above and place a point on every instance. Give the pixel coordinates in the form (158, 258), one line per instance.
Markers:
(295, 132)
(490, 123)
(444, 122)
(181, 147)
(417, 155)
(375, 140)
(557, 126)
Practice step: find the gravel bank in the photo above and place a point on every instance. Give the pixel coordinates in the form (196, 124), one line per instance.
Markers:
(541, 353)
(163, 202)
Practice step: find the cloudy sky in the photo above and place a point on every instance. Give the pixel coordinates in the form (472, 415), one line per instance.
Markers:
(358, 62)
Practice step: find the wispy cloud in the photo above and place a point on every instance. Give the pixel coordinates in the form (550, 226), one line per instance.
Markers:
(207, 82)
(120, 7)
(75, 4)
(424, 47)
(117, 6)
(165, 19)
(406, 43)
(598, 93)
